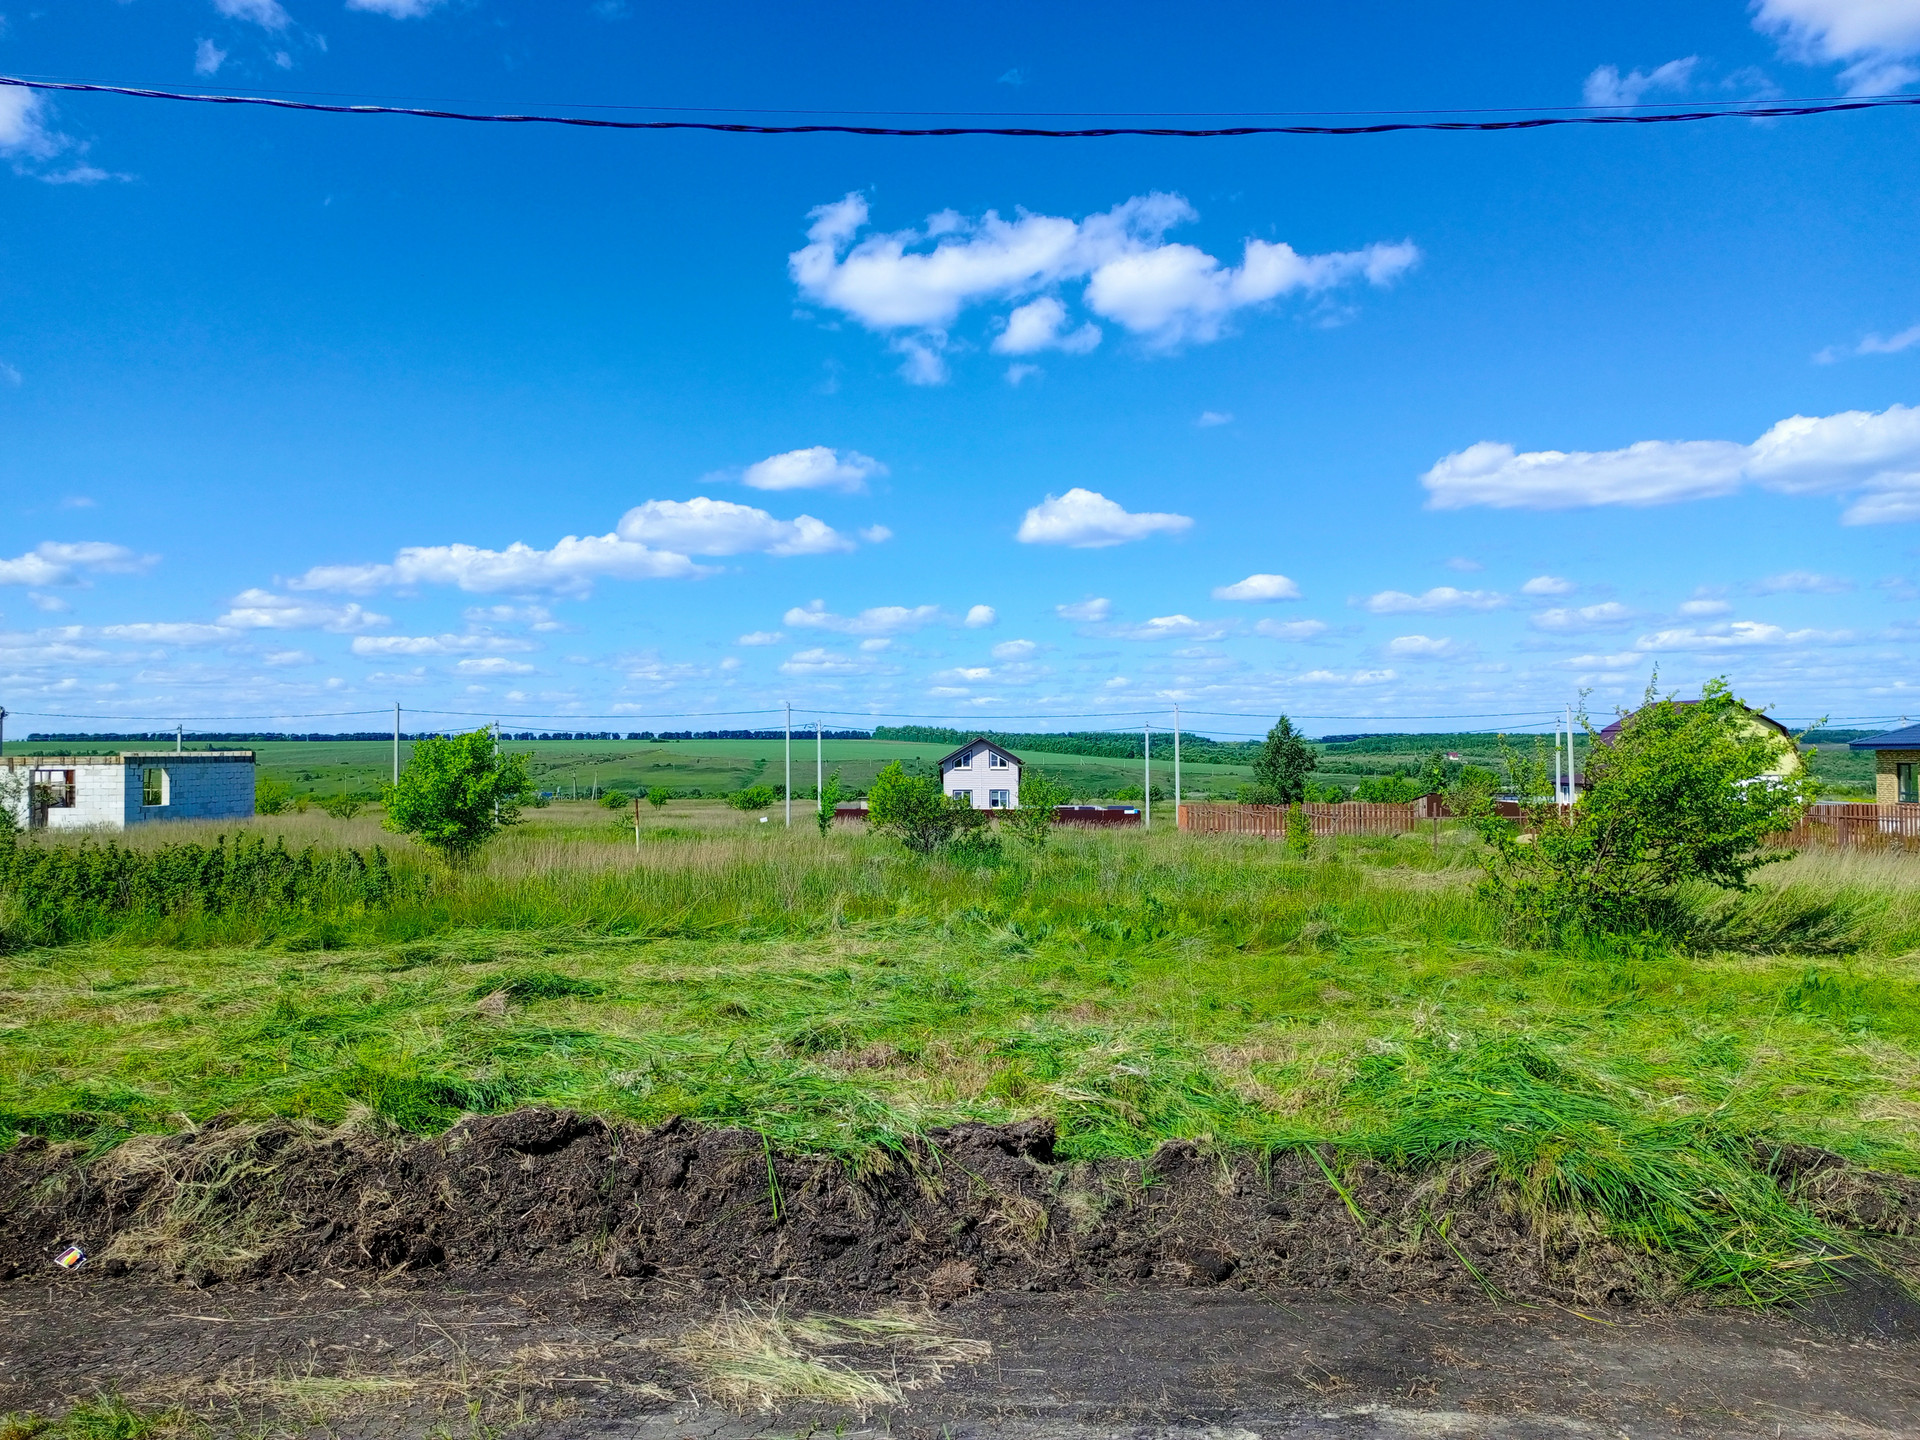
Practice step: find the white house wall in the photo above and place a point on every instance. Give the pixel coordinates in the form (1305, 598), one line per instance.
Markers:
(979, 778)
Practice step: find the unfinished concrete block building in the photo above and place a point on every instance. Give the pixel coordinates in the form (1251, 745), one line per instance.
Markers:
(111, 792)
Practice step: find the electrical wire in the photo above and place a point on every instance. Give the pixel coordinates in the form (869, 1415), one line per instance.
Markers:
(737, 127)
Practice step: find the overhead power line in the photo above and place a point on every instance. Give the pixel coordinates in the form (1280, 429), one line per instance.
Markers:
(1100, 132)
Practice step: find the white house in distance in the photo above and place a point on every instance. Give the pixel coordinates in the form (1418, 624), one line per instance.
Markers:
(111, 792)
(987, 775)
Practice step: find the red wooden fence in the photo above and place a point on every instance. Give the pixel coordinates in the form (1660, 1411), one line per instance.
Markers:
(1270, 821)
(1850, 825)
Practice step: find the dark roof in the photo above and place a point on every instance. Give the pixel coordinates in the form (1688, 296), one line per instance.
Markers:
(979, 740)
(1907, 739)
(1607, 735)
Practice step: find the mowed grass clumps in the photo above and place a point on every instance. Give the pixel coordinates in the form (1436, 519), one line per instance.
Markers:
(840, 997)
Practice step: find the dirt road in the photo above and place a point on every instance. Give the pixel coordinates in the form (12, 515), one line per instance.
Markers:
(596, 1358)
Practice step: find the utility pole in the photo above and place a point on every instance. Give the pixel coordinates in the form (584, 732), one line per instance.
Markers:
(1573, 787)
(789, 764)
(819, 768)
(3, 729)
(396, 742)
(496, 766)
(179, 738)
(1146, 775)
(1556, 759)
(1176, 764)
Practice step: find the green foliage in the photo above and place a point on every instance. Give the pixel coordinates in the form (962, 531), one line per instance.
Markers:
(615, 799)
(1388, 790)
(457, 793)
(60, 892)
(1281, 768)
(975, 845)
(1299, 832)
(343, 806)
(1130, 795)
(107, 1417)
(1040, 796)
(1682, 796)
(658, 796)
(1318, 794)
(914, 810)
(271, 797)
(753, 797)
(824, 802)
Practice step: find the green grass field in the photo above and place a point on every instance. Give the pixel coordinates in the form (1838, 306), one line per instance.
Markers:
(838, 994)
(318, 769)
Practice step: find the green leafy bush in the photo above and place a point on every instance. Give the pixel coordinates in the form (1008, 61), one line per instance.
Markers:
(1683, 795)
(753, 797)
(828, 797)
(457, 793)
(271, 797)
(59, 892)
(1388, 790)
(1040, 796)
(658, 796)
(615, 799)
(916, 811)
(343, 807)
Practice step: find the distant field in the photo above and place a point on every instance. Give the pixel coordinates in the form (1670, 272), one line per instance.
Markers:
(320, 768)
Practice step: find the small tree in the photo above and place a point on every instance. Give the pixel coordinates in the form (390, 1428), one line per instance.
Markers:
(1040, 796)
(914, 809)
(457, 793)
(1281, 768)
(1299, 832)
(1683, 794)
(753, 797)
(658, 796)
(828, 798)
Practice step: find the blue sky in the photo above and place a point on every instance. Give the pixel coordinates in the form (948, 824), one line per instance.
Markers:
(307, 414)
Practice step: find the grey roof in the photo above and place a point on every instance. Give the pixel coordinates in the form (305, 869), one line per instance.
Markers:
(1907, 739)
(978, 740)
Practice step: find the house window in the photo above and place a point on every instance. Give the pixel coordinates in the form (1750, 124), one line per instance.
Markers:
(966, 795)
(1909, 782)
(153, 786)
(963, 762)
(999, 799)
(996, 762)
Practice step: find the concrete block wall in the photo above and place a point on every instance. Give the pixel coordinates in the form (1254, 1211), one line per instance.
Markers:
(207, 785)
(107, 789)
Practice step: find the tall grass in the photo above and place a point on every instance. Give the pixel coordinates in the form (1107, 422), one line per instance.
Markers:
(840, 996)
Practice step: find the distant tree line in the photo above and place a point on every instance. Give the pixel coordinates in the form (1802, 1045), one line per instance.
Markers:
(1105, 745)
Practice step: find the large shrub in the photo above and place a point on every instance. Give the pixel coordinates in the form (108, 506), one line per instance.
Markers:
(1684, 794)
(916, 811)
(457, 793)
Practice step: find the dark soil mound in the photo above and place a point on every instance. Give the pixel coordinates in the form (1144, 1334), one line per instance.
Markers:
(688, 1209)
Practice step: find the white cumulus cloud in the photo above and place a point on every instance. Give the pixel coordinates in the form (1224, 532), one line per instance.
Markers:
(1290, 629)
(815, 468)
(1873, 344)
(1090, 611)
(1548, 585)
(1088, 520)
(1171, 627)
(1440, 600)
(60, 562)
(720, 527)
(1801, 582)
(1258, 588)
(879, 620)
(1424, 647)
(470, 644)
(1876, 39)
(1015, 650)
(396, 9)
(920, 281)
(208, 58)
(265, 13)
(979, 617)
(761, 637)
(1041, 325)
(1567, 620)
(263, 610)
(653, 541)
(1740, 635)
(1607, 87)
(1873, 457)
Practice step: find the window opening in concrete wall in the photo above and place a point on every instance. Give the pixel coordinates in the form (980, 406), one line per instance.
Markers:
(153, 786)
